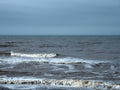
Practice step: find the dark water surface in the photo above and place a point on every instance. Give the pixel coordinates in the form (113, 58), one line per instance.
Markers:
(60, 57)
(88, 47)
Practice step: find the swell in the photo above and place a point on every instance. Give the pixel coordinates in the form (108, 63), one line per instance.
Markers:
(5, 53)
(7, 44)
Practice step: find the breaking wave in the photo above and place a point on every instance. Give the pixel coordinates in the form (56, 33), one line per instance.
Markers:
(66, 60)
(30, 80)
(50, 55)
(63, 82)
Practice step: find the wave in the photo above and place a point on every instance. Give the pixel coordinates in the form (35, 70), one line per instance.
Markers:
(5, 53)
(63, 82)
(66, 60)
(6, 45)
(50, 55)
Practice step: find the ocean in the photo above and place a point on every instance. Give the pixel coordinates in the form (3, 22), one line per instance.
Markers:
(59, 62)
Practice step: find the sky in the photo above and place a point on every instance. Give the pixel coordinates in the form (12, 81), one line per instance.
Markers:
(59, 17)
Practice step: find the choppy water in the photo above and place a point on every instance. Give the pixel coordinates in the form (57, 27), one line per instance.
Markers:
(95, 58)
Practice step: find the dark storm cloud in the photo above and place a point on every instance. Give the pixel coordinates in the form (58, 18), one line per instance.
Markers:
(59, 16)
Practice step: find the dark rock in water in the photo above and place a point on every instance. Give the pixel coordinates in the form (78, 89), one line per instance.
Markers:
(5, 53)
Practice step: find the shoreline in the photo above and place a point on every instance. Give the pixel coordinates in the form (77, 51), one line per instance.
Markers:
(55, 82)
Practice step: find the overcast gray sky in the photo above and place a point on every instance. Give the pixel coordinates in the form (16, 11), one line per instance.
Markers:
(60, 17)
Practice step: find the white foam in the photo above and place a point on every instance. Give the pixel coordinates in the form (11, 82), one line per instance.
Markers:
(67, 60)
(44, 55)
(42, 87)
(88, 66)
(71, 68)
(62, 82)
(18, 78)
(20, 87)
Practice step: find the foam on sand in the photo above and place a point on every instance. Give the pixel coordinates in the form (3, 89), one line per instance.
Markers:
(63, 82)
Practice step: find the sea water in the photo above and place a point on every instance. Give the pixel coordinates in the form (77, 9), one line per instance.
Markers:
(60, 62)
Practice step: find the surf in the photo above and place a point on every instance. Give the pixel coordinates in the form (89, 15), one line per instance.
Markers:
(62, 82)
(42, 55)
(15, 59)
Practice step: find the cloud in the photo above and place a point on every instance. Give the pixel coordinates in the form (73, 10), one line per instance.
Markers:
(77, 14)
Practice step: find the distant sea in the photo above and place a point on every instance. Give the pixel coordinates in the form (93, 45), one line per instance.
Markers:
(60, 62)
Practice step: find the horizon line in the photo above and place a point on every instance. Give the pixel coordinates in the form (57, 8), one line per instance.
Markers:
(57, 35)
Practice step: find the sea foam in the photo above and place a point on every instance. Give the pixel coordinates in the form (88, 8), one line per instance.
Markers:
(49, 55)
(65, 60)
(63, 82)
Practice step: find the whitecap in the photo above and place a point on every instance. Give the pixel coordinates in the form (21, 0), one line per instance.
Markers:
(66, 60)
(42, 55)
